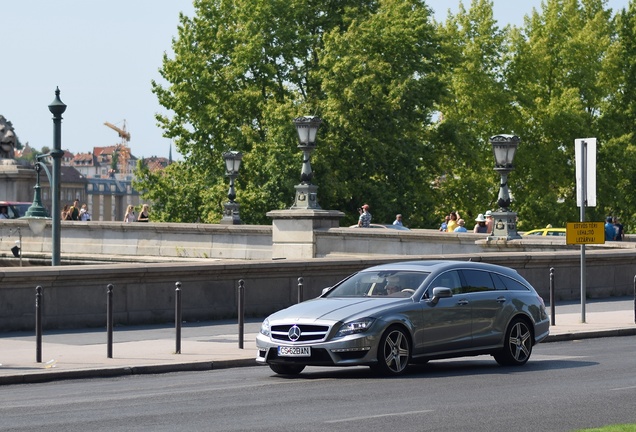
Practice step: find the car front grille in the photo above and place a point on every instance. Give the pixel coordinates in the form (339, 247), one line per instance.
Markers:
(308, 333)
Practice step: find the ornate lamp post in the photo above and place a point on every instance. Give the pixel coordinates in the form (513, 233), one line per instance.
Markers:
(36, 215)
(306, 192)
(504, 148)
(231, 209)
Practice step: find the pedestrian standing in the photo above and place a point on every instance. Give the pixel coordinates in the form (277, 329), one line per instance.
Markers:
(130, 214)
(480, 226)
(84, 214)
(364, 221)
(610, 231)
(460, 226)
(490, 222)
(618, 226)
(398, 220)
(144, 215)
(453, 221)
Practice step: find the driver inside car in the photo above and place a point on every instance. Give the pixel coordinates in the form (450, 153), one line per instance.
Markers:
(392, 289)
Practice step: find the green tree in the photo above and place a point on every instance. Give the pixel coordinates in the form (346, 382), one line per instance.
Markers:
(553, 73)
(617, 121)
(177, 194)
(476, 107)
(243, 70)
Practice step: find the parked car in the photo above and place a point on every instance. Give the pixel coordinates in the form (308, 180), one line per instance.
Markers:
(546, 232)
(15, 209)
(384, 226)
(391, 315)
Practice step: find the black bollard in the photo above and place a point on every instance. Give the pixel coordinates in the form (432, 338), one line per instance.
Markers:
(634, 299)
(109, 320)
(552, 305)
(241, 312)
(177, 317)
(300, 290)
(38, 324)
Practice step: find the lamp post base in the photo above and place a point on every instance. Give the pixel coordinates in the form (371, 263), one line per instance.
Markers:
(306, 197)
(231, 214)
(505, 226)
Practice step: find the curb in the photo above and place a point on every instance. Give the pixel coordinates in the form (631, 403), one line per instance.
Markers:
(591, 334)
(41, 377)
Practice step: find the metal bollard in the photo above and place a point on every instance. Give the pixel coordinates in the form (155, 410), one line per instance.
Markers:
(177, 317)
(552, 305)
(38, 324)
(241, 312)
(300, 289)
(109, 321)
(634, 299)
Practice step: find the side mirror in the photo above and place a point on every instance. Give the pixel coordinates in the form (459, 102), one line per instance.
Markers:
(440, 292)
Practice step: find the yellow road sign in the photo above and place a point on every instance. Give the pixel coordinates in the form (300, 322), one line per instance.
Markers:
(585, 233)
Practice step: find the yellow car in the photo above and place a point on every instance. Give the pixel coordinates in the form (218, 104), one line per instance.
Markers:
(546, 232)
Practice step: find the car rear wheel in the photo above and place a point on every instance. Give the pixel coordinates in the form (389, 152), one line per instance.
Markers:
(394, 352)
(287, 369)
(517, 345)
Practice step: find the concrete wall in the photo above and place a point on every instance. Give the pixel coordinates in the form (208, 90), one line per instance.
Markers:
(75, 296)
(119, 241)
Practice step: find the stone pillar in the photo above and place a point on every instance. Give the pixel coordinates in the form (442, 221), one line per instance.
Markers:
(293, 231)
(504, 225)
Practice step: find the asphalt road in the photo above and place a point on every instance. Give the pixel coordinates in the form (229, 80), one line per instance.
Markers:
(565, 386)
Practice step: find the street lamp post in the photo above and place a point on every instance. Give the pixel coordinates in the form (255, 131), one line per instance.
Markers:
(505, 221)
(36, 215)
(231, 214)
(306, 192)
(56, 108)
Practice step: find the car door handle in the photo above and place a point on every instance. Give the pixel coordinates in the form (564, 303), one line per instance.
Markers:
(500, 300)
(462, 302)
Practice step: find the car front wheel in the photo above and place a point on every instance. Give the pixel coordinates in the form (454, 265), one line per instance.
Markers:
(287, 369)
(394, 352)
(517, 345)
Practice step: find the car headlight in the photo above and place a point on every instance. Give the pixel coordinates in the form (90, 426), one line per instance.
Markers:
(353, 327)
(265, 327)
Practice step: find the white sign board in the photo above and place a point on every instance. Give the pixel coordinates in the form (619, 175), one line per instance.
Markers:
(585, 160)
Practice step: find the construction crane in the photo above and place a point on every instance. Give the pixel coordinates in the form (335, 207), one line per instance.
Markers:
(122, 150)
(123, 134)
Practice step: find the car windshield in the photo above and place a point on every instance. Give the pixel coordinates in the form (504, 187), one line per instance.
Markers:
(393, 283)
(21, 209)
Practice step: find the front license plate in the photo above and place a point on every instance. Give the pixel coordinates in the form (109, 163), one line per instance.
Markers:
(285, 351)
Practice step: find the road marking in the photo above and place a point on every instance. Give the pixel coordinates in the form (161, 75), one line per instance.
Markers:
(554, 357)
(378, 416)
(623, 388)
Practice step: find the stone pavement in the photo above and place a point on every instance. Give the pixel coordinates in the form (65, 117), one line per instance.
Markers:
(76, 354)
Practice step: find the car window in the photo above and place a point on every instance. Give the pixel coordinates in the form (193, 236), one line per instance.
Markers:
(555, 233)
(512, 284)
(477, 281)
(379, 283)
(498, 281)
(449, 279)
(12, 212)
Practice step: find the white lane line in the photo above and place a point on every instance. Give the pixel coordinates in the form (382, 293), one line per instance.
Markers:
(623, 388)
(378, 416)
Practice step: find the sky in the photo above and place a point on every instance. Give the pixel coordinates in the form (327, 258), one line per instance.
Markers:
(103, 55)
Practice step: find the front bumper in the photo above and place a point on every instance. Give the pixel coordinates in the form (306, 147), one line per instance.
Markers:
(352, 350)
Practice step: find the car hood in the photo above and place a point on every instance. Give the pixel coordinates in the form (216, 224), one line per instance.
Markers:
(336, 309)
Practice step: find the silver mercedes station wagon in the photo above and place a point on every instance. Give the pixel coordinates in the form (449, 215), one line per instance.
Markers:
(391, 315)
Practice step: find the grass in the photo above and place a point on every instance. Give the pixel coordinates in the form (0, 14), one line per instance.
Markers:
(612, 428)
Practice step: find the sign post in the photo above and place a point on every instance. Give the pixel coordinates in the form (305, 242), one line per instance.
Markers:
(585, 158)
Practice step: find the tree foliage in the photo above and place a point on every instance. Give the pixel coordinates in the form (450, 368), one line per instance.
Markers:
(408, 106)
(243, 70)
